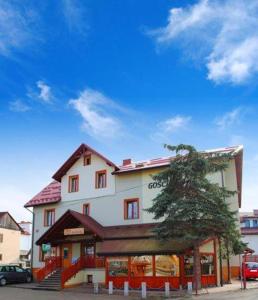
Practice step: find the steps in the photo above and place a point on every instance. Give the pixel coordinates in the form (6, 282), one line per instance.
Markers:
(52, 282)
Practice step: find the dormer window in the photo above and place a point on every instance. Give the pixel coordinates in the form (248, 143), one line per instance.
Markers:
(101, 179)
(73, 183)
(87, 160)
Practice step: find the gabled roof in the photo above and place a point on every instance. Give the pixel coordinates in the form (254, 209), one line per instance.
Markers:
(71, 219)
(9, 225)
(49, 195)
(83, 149)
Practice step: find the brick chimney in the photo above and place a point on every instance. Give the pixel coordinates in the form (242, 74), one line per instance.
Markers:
(127, 161)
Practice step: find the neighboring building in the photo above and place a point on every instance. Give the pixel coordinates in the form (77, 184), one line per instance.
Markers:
(10, 234)
(249, 229)
(25, 243)
(92, 219)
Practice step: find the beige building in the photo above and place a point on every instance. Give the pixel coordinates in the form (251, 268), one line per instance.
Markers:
(10, 235)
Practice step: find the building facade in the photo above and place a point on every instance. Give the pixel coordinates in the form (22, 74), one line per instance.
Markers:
(25, 243)
(92, 218)
(249, 229)
(10, 234)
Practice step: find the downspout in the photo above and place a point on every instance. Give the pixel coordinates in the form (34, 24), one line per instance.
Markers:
(227, 249)
(32, 238)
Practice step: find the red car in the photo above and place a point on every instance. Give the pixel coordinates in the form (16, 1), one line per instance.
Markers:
(251, 270)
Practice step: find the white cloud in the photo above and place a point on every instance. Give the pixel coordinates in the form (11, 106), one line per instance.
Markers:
(98, 121)
(45, 93)
(16, 27)
(231, 118)
(18, 106)
(75, 16)
(174, 124)
(223, 34)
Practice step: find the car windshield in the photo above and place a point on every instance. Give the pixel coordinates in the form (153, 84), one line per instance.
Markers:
(252, 265)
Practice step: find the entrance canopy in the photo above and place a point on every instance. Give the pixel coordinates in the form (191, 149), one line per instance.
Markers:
(72, 226)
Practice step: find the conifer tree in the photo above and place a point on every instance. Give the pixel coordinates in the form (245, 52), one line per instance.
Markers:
(192, 208)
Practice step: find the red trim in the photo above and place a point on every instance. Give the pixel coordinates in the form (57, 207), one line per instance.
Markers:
(96, 179)
(45, 216)
(126, 201)
(83, 209)
(70, 183)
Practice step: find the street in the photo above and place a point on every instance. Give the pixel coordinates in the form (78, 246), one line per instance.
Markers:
(12, 293)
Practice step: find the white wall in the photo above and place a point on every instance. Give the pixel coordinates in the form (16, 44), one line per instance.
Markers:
(87, 180)
(107, 205)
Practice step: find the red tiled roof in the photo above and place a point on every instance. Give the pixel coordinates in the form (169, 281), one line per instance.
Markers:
(165, 161)
(50, 194)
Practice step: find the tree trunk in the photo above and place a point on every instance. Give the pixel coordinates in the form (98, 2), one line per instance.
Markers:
(228, 264)
(197, 268)
(220, 263)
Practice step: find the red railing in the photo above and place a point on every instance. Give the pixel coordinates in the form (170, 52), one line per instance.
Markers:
(51, 264)
(81, 263)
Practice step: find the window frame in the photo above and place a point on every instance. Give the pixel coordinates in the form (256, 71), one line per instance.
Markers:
(70, 183)
(1, 238)
(88, 156)
(45, 216)
(83, 209)
(126, 202)
(96, 179)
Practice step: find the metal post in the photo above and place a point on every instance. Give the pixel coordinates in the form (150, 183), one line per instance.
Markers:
(144, 292)
(110, 287)
(126, 288)
(167, 289)
(189, 287)
(96, 287)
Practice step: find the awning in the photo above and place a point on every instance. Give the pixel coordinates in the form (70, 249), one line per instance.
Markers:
(140, 247)
(71, 219)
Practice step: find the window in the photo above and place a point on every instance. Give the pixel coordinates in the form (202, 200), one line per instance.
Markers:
(49, 217)
(1, 257)
(188, 265)
(19, 270)
(167, 265)
(255, 223)
(117, 266)
(73, 183)
(101, 179)
(131, 209)
(87, 160)
(141, 266)
(247, 223)
(1, 237)
(207, 264)
(86, 209)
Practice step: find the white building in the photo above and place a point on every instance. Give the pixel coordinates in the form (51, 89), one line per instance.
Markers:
(25, 243)
(249, 229)
(91, 220)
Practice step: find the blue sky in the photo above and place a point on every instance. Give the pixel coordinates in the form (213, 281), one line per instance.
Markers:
(124, 77)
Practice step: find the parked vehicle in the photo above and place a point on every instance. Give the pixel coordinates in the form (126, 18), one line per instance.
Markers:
(251, 270)
(11, 274)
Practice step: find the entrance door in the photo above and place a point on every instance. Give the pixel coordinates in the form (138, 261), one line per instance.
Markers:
(67, 255)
